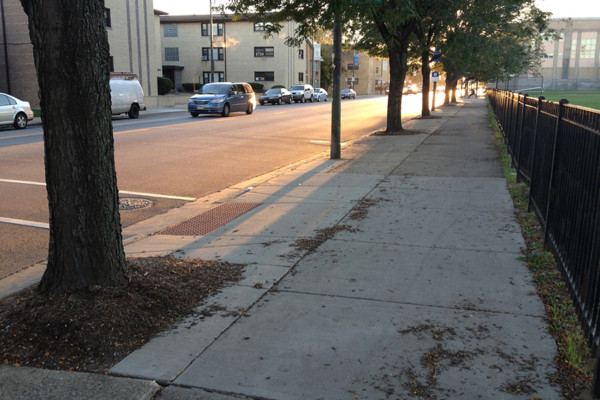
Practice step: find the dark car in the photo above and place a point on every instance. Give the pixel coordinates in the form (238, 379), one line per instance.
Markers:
(223, 98)
(275, 96)
(348, 94)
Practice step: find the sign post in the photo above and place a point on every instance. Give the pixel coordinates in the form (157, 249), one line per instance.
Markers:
(434, 78)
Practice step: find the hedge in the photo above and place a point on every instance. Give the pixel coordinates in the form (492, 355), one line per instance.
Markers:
(164, 85)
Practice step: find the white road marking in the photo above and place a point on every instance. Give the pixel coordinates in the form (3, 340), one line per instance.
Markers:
(161, 196)
(23, 222)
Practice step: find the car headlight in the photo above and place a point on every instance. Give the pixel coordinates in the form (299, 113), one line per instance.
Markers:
(217, 101)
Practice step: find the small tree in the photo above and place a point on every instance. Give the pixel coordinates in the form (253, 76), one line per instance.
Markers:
(86, 246)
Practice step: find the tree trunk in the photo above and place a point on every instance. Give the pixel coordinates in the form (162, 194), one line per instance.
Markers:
(454, 88)
(398, 67)
(71, 53)
(426, 72)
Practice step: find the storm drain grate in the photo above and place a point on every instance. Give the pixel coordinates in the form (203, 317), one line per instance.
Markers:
(210, 220)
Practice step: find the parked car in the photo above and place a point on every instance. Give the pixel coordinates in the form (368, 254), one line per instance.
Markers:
(127, 97)
(320, 94)
(223, 98)
(348, 94)
(302, 93)
(275, 96)
(411, 89)
(14, 112)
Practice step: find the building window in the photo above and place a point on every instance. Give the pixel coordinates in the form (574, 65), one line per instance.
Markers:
(170, 30)
(300, 53)
(171, 53)
(264, 76)
(300, 76)
(217, 29)
(587, 49)
(264, 52)
(107, 20)
(111, 63)
(262, 26)
(218, 77)
(217, 54)
(377, 70)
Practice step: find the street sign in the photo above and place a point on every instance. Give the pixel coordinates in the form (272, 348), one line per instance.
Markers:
(435, 76)
(356, 59)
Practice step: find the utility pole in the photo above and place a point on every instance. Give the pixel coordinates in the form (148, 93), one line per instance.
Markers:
(335, 152)
(212, 58)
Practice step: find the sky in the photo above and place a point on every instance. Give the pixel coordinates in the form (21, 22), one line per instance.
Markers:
(559, 8)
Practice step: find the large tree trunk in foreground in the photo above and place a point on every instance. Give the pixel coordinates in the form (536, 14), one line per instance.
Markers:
(71, 54)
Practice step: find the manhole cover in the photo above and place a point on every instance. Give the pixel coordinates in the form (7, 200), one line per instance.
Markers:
(134, 203)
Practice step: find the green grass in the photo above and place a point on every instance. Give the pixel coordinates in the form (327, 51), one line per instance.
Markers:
(37, 112)
(584, 98)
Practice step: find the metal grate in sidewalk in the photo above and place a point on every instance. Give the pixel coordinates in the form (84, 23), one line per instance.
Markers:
(210, 220)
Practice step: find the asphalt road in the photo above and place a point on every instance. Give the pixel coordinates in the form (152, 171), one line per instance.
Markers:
(172, 158)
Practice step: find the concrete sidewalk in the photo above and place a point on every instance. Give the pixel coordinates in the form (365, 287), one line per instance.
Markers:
(416, 291)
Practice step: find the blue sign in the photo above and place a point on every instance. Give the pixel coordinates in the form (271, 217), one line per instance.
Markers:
(356, 59)
(435, 74)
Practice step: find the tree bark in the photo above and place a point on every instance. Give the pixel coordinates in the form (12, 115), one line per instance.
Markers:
(71, 55)
(426, 72)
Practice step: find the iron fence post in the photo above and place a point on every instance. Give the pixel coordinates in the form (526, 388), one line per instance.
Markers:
(533, 154)
(557, 131)
(520, 150)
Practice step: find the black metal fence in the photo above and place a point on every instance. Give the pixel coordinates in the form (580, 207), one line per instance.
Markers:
(555, 148)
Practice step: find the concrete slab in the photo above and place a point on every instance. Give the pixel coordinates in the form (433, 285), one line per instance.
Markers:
(181, 393)
(157, 245)
(443, 228)
(240, 249)
(166, 356)
(23, 383)
(476, 280)
(446, 193)
(323, 347)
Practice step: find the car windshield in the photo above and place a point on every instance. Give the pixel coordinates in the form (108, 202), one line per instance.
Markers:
(297, 87)
(346, 91)
(273, 91)
(317, 90)
(215, 88)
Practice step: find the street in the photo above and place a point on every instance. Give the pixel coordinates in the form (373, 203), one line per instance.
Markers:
(168, 159)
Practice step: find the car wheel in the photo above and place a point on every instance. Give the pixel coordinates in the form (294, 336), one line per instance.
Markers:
(311, 99)
(194, 114)
(302, 99)
(250, 109)
(262, 103)
(226, 110)
(134, 111)
(20, 121)
(279, 101)
(325, 99)
(289, 101)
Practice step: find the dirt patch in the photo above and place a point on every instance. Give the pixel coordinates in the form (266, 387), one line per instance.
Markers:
(91, 330)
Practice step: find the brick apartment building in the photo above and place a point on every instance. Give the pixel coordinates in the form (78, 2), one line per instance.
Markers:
(132, 27)
(240, 52)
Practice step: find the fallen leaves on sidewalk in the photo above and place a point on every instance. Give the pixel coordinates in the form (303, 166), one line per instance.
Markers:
(91, 330)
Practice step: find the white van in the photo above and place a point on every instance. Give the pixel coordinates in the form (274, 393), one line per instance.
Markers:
(127, 97)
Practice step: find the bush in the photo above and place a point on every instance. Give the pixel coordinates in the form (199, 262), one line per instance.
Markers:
(189, 87)
(278, 87)
(257, 87)
(164, 85)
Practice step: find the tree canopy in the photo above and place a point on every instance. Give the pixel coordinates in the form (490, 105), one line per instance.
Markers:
(480, 39)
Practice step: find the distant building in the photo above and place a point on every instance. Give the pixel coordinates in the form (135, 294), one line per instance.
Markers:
(240, 52)
(131, 27)
(572, 62)
(365, 74)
